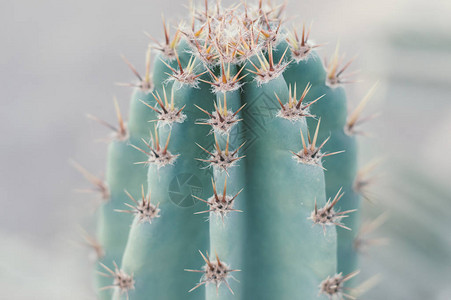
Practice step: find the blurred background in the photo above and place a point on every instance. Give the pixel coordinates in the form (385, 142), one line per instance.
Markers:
(60, 59)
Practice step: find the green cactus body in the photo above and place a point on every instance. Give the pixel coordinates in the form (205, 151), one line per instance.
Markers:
(341, 170)
(280, 238)
(158, 267)
(122, 174)
(242, 183)
(227, 237)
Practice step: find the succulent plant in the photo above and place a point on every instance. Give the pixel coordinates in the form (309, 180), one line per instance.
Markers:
(216, 179)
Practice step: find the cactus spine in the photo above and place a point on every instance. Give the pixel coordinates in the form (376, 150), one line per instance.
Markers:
(230, 189)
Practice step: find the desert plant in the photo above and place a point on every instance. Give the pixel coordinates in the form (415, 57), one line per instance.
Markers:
(231, 190)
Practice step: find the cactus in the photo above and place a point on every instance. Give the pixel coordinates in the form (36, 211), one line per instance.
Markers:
(236, 170)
